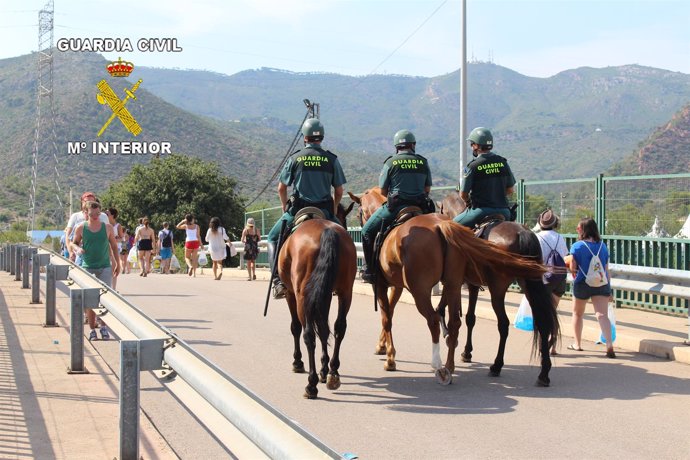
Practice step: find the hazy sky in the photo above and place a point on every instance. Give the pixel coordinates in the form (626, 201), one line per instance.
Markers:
(359, 37)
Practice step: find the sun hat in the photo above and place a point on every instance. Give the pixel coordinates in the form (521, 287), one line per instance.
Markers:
(548, 220)
(250, 222)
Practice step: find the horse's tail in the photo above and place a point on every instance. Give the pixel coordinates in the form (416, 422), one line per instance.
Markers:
(544, 313)
(540, 299)
(484, 255)
(319, 288)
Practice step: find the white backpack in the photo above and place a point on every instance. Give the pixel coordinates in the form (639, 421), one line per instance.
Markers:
(596, 274)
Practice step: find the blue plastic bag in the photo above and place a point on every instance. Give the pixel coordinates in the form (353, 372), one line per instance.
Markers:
(523, 318)
(612, 318)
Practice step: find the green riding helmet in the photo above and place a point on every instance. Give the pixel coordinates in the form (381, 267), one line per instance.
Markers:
(403, 137)
(482, 137)
(312, 127)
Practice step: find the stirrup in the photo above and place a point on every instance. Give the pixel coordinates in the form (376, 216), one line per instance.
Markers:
(279, 290)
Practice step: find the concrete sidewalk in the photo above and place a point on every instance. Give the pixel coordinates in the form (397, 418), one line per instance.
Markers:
(648, 332)
(46, 413)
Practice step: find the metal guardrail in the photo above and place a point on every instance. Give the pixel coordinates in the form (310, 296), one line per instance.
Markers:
(155, 348)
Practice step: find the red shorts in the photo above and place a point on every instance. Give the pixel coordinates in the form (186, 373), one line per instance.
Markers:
(192, 244)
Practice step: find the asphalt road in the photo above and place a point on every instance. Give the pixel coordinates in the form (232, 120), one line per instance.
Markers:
(633, 407)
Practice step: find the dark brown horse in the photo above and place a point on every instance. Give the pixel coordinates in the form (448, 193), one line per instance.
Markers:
(423, 251)
(519, 240)
(318, 260)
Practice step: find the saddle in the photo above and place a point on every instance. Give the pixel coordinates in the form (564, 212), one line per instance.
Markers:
(482, 228)
(307, 213)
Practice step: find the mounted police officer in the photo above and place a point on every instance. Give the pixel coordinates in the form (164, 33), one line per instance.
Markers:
(312, 171)
(488, 181)
(406, 180)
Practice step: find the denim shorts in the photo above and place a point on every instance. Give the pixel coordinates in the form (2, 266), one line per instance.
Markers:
(584, 291)
(166, 253)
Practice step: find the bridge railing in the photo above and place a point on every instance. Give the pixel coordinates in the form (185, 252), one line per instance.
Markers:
(155, 347)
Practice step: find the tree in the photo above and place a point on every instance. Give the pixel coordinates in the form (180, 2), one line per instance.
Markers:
(167, 189)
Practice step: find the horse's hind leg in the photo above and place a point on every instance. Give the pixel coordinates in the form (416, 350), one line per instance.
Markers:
(441, 311)
(310, 391)
(296, 330)
(453, 296)
(498, 304)
(381, 346)
(422, 299)
(339, 328)
(470, 321)
(387, 310)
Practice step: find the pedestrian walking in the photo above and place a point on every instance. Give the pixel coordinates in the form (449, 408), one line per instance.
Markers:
(216, 237)
(251, 238)
(192, 243)
(99, 248)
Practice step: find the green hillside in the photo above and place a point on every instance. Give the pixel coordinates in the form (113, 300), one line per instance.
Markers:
(575, 124)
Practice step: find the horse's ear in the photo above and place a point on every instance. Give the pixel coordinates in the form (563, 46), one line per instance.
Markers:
(349, 208)
(355, 198)
(439, 205)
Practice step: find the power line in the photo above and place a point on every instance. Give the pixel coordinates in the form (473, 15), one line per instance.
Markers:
(313, 111)
(414, 32)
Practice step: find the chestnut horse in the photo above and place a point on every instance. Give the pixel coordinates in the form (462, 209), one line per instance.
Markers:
(520, 240)
(318, 260)
(423, 251)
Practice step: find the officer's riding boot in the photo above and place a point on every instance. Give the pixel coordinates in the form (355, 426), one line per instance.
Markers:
(367, 272)
(278, 286)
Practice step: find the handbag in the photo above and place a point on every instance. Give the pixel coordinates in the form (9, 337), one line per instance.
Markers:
(523, 318)
(233, 249)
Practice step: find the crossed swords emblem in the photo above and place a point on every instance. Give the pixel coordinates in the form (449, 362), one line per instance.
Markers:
(106, 95)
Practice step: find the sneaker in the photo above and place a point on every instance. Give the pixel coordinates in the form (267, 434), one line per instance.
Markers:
(105, 335)
(279, 290)
(93, 335)
(368, 277)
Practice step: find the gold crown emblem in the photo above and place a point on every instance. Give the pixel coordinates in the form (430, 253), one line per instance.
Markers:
(120, 68)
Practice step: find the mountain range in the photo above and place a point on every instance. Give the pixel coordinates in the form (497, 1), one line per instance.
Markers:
(578, 123)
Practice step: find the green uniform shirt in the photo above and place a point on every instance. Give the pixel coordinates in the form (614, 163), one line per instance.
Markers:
(96, 248)
(406, 174)
(486, 179)
(313, 171)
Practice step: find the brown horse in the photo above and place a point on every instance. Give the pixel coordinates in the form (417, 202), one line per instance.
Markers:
(423, 251)
(318, 260)
(519, 240)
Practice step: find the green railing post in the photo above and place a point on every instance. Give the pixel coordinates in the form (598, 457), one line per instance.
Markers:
(521, 201)
(599, 205)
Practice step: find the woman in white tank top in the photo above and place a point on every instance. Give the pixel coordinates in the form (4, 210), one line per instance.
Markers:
(192, 243)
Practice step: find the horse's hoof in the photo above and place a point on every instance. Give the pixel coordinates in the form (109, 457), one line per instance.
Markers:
(494, 371)
(310, 393)
(466, 357)
(298, 369)
(389, 366)
(444, 376)
(543, 382)
(333, 382)
(380, 351)
(322, 379)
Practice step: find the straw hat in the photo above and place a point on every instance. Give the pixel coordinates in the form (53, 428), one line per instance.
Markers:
(250, 222)
(548, 220)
